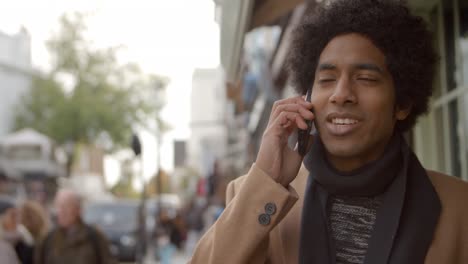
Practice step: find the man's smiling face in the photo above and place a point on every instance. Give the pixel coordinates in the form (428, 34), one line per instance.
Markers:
(354, 101)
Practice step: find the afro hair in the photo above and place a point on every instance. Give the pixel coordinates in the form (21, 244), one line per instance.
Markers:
(402, 37)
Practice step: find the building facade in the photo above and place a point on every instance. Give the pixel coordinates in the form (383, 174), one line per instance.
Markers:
(208, 137)
(15, 75)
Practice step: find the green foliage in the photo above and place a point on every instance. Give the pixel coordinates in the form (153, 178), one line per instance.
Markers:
(124, 189)
(103, 101)
(159, 182)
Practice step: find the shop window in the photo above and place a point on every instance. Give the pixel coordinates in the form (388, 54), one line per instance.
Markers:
(454, 138)
(463, 39)
(449, 41)
(439, 133)
(465, 147)
(434, 27)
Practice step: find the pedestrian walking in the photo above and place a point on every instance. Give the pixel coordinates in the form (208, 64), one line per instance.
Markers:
(73, 241)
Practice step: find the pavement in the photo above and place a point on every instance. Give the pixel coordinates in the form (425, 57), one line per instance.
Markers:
(180, 257)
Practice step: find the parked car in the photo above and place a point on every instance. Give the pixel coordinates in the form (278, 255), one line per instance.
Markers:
(118, 220)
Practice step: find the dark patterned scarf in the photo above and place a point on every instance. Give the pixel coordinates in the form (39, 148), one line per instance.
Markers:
(405, 222)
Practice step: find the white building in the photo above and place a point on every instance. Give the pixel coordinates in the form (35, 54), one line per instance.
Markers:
(207, 122)
(15, 75)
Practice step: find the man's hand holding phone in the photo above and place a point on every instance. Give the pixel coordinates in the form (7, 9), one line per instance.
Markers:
(275, 157)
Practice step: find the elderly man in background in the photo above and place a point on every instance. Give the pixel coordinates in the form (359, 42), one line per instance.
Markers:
(73, 241)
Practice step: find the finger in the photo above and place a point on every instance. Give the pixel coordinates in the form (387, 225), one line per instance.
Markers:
(289, 120)
(288, 101)
(304, 111)
(293, 100)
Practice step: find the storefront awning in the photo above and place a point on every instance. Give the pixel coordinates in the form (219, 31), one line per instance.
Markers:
(267, 11)
(235, 20)
(241, 16)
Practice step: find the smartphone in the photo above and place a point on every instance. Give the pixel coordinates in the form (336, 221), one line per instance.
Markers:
(304, 134)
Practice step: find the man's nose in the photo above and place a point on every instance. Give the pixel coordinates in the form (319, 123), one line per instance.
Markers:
(343, 93)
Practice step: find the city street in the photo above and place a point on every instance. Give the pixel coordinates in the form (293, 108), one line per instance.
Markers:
(163, 132)
(179, 258)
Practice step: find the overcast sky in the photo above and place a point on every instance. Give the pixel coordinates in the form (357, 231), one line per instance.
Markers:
(166, 37)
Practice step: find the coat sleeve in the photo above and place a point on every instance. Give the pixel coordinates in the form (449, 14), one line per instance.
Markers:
(104, 248)
(39, 248)
(241, 233)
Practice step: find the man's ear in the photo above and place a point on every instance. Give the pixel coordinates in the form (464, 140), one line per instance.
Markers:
(402, 112)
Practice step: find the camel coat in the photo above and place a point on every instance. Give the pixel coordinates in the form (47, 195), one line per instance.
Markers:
(240, 236)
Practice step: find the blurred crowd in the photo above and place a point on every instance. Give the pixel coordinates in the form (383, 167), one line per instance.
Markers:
(31, 233)
(182, 231)
(22, 227)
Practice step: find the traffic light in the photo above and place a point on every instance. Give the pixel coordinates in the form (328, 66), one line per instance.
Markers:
(136, 145)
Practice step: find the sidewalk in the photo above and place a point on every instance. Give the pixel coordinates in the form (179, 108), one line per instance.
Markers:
(179, 258)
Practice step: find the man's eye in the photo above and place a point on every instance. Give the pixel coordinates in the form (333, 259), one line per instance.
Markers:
(367, 79)
(326, 80)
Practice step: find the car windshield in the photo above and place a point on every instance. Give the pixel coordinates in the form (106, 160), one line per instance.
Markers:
(122, 216)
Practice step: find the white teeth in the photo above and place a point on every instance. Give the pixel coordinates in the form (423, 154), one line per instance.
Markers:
(344, 121)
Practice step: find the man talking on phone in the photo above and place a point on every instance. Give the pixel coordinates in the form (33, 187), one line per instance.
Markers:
(359, 195)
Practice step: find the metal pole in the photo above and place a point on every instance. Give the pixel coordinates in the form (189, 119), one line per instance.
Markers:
(142, 217)
(141, 246)
(158, 180)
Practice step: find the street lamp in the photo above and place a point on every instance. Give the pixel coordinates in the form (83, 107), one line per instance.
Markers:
(141, 249)
(136, 145)
(69, 148)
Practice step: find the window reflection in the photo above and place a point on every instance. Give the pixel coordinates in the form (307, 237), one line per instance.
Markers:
(440, 139)
(463, 43)
(449, 42)
(463, 39)
(454, 138)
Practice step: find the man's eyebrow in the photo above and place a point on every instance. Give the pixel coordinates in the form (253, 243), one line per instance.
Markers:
(326, 66)
(359, 66)
(368, 66)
